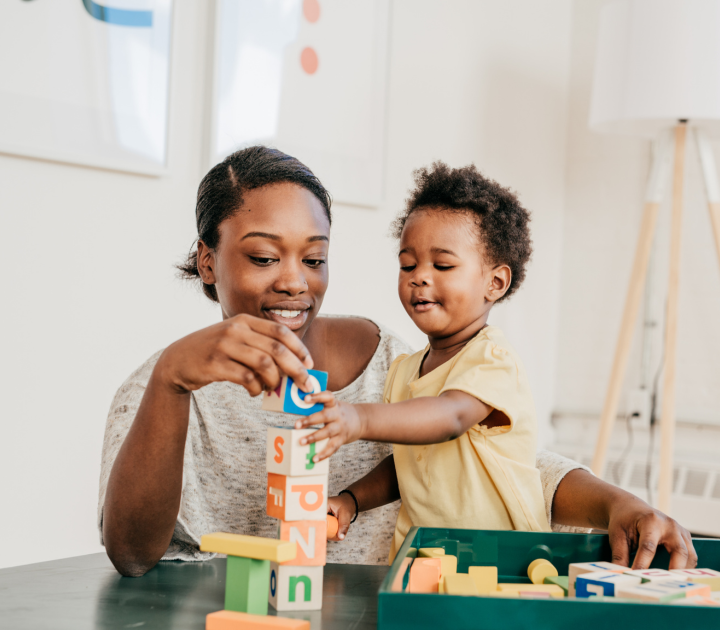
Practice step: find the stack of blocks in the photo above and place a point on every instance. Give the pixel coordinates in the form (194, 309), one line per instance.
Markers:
(286, 572)
(297, 490)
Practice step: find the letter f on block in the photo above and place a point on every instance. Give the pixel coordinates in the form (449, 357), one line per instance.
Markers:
(277, 495)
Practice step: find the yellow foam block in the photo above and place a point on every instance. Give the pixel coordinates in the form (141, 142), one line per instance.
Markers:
(554, 590)
(249, 547)
(431, 552)
(541, 569)
(486, 579)
(459, 584)
(448, 564)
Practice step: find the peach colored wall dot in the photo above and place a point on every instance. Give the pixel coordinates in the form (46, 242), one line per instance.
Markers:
(311, 10)
(309, 60)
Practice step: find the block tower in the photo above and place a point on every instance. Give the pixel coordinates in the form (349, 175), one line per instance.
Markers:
(297, 490)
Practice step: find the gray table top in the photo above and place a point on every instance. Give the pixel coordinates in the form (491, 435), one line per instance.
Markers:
(87, 592)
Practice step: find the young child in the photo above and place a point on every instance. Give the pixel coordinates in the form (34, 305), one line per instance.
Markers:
(461, 418)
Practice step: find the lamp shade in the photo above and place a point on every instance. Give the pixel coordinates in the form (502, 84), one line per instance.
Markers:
(658, 61)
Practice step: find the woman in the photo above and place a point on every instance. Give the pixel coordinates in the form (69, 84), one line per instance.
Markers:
(184, 449)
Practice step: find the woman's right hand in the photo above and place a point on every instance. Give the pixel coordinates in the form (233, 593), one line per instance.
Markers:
(244, 349)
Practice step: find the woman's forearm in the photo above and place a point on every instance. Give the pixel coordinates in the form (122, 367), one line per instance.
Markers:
(145, 485)
(583, 500)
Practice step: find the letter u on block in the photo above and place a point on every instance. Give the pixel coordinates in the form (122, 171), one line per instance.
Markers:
(311, 539)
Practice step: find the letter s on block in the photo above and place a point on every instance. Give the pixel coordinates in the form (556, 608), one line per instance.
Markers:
(306, 489)
(280, 456)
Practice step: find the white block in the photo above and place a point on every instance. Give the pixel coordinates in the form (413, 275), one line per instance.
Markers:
(295, 588)
(603, 583)
(579, 568)
(699, 576)
(665, 590)
(285, 455)
(653, 575)
(297, 498)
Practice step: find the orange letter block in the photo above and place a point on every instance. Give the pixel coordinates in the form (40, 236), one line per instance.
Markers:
(297, 498)
(311, 539)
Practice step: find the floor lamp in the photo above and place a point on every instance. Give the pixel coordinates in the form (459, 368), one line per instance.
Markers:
(657, 74)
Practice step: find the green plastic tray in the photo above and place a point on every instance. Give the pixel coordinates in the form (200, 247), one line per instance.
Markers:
(512, 552)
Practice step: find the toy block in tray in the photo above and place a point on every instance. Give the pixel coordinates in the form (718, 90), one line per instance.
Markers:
(512, 553)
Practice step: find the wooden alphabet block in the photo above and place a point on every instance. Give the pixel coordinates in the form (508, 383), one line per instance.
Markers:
(297, 498)
(603, 583)
(459, 584)
(559, 580)
(590, 567)
(230, 620)
(664, 591)
(486, 579)
(246, 585)
(289, 398)
(424, 575)
(552, 589)
(295, 588)
(431, 552)
(249, 546)
(653, 575)
(540, 569)
(699, 576)
(698, 600)
(311, 539)
(286, 456)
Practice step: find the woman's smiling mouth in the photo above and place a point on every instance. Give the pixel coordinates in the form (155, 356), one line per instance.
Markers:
(293, 316)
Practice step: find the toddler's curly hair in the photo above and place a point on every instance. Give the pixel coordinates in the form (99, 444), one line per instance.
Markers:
(503, 224)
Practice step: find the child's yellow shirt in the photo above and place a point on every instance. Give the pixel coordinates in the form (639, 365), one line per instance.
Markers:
(486, 478)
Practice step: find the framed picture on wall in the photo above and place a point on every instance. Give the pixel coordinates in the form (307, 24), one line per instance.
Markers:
(86, 82)
(307, 77)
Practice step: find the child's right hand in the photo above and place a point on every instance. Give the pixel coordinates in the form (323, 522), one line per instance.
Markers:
(342, 508)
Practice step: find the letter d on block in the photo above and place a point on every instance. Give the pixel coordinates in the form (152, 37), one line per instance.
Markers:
(288, 500)
(295, 587)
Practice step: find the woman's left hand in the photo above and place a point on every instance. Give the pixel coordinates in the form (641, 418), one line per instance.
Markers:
(634, 525)
(342, 421)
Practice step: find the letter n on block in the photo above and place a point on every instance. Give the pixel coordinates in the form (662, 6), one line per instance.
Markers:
(295, 588)
(311, 539)
(297, 498)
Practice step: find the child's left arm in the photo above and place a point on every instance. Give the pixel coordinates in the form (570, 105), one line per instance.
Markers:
(428, 420)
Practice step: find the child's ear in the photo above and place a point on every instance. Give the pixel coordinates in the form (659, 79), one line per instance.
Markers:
(206, 263)
(500, 279)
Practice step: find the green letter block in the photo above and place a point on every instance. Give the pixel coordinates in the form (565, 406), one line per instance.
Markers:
(307, 587)
(247, 585)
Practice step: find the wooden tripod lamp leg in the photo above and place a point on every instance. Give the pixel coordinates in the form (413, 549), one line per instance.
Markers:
(712, 185)
(667, 421)
(658, 175)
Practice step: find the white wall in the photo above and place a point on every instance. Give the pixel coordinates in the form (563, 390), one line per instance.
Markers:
(606, 180)
(92, 291)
